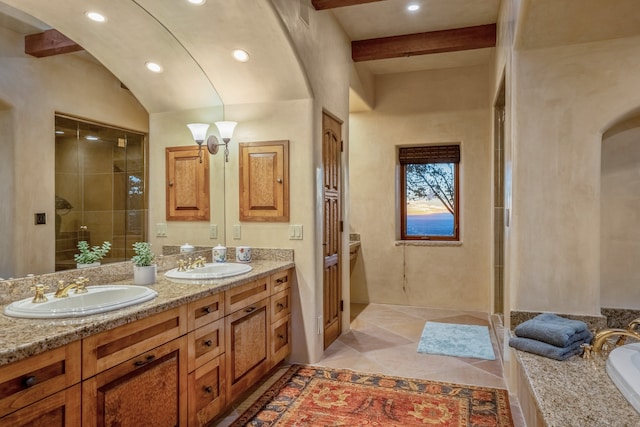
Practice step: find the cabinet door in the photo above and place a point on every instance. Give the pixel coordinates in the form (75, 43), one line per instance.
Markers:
(207, 393)
(187, 184)
(148, 390)
(264, 181)
(247, 350)
(59, 410)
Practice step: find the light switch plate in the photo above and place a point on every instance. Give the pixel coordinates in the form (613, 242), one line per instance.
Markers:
(237, 232)
(161, 229)
(295, 232)
(213, 231)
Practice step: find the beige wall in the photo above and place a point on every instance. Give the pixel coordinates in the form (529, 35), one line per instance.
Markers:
(438, 106)
(620, 219)
(565, 97)
(33, 90)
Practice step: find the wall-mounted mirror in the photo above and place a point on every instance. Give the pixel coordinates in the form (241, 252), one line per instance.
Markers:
(108, 84)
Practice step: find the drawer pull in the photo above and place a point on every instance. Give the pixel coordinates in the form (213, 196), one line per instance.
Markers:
(281, 280)
(208, 343)
(149, 359)
(207, 309)
(250, 309)
(280, 337)
(208, 389)
(29, 381)
(280, 306)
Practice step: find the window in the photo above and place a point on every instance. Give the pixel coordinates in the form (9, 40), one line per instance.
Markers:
(429, 192)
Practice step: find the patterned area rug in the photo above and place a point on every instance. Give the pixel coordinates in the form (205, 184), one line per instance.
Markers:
(451, 339)
(314, 396)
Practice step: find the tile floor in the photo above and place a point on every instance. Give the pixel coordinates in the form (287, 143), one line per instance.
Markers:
(383, 339)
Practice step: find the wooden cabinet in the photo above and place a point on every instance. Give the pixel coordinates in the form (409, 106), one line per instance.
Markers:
(147, 390)
(187, 184)
(264, 181)
(207, 391)
(43, 387)
(137, 372)
(248, 350)
(180, 367)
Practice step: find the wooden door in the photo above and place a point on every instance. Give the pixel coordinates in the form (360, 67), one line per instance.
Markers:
(187, 184)
(331, 243)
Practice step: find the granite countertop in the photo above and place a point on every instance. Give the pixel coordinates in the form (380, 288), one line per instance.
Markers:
(22, 338)
(576, 392)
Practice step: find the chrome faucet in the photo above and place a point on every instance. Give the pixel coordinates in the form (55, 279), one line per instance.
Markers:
(80, 285)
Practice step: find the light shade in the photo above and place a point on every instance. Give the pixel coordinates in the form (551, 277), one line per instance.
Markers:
(226, 130)
(199, 131)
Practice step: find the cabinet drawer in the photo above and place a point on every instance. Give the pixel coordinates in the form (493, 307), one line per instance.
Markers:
(280, 340)
(206, 343)
(245, 295)
(107, 349)
(61, 409)
(207, 392)
(281, 281)
(29, 380)
(280, 305)
(205, 310)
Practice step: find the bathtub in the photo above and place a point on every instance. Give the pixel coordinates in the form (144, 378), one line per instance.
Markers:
(623, 367)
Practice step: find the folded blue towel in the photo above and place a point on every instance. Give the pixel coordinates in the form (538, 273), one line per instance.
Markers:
(544, 349)
(553, 329)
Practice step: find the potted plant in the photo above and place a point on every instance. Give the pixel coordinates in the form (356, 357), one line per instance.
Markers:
(90, 256)
(144, 270)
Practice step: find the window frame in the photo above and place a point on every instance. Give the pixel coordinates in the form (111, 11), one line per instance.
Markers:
(403, 196)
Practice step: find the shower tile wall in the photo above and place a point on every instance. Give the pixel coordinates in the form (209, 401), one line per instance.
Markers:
(104, 182)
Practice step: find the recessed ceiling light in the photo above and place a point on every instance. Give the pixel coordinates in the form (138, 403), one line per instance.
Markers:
(95, 16)
(91, 138)
(152, 66)
(59, 132)
(197, 2)
(240, 55)
(413, 7)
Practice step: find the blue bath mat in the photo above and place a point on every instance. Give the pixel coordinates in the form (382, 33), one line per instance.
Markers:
(450, 339)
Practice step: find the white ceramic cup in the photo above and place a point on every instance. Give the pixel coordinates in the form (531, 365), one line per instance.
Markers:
(243, 254)
(219, 253)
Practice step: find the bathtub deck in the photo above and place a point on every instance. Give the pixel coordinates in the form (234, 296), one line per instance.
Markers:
(575, 392)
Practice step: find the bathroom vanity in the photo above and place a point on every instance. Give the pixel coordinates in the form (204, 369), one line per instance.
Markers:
(180, 359)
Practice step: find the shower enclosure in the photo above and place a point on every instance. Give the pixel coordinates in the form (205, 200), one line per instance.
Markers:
(101, 194)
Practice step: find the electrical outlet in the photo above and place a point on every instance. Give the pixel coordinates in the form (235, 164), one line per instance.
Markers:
(40, 218)
(161, 229)
(237, 232)
(213, 231)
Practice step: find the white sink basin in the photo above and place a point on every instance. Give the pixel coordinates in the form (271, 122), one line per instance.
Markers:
(98, 299)
(216, 270)
(623, 367)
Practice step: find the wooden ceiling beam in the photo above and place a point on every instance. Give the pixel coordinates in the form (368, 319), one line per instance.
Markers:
(424, 43)
(49, 43)
(332, 4)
